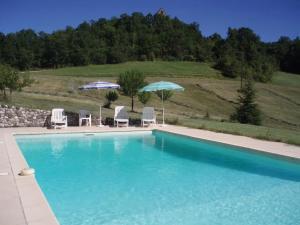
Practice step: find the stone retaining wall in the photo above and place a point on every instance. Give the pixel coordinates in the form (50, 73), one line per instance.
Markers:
(11, 116)
(22, 117)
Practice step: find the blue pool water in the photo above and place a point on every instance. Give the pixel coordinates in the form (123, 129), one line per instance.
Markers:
(161, 179)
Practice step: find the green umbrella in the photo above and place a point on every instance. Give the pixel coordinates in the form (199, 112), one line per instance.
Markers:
(161, 86)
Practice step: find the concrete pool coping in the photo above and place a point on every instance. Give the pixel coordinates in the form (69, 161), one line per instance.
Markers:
(23, 202)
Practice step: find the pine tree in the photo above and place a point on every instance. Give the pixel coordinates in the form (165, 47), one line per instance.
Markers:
(247, 111)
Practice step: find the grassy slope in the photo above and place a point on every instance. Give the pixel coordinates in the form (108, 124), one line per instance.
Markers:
(156, 68)
(278, 100)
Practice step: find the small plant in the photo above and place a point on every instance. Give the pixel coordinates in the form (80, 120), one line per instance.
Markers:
(144, 97)
(110, 96)
(207, 115)
(164, 95)
(172, 121)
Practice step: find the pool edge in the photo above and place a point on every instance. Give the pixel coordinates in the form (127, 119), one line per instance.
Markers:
(36, 208)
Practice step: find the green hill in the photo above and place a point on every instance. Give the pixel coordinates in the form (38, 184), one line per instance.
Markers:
(157, 68)
(206, 92)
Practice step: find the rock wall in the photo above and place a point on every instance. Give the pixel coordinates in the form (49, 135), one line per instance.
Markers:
(22, 117)
(11, 116)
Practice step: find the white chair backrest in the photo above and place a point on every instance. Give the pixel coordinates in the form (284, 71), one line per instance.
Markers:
(148, 113)
(57, 114)
(83, 113)
(120, 112)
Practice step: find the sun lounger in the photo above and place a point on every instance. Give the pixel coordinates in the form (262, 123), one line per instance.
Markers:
(85, 116)
(148, 116)
(121, 116)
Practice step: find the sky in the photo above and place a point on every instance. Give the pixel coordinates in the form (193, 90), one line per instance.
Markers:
(270, 19)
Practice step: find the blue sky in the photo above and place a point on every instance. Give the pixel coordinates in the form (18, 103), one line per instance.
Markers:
(270, 19)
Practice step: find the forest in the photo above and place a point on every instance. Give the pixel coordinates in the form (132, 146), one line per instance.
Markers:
(147, 38)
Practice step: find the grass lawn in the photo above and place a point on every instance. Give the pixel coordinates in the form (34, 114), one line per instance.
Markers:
(260, 132)
(287, 79)
(206, 92)
(157, 68)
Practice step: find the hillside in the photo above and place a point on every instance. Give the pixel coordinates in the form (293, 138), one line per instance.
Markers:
(206, 92)
(157, 68)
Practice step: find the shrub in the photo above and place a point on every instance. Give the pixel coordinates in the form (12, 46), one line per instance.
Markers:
(144, 97)
(110, 96)
(164, 95)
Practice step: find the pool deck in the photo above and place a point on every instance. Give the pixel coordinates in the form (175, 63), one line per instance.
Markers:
(23, 203)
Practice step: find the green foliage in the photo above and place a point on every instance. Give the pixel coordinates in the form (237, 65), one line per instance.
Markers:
(120, 39)
(207, 115)
(242, 55)
(286, 53)
(144, 97)
(110, 96)
(164, 95)
(148, 38)
(247, 111)
(12, 80)
(131, 81)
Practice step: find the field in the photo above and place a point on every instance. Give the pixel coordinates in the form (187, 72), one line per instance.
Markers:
(206, 103)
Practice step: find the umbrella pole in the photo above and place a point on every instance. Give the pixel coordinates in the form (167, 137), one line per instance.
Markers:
(162, 95)
(100, 117)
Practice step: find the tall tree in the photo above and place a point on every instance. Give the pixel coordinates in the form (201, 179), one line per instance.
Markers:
(243, 48)
(247, 110)
(131, 81)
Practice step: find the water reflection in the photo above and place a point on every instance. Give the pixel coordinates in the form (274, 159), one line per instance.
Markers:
(230, 158)
(57, 147)
(120, 143)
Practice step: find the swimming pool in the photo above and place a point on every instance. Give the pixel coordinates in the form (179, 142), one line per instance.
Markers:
(160, 178)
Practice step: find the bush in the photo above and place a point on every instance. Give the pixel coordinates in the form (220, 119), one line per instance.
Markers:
(164, 95)
(143, 58)
(144, 97)
(188, 58)
(207, 115)
(111, 96)
(172, 121)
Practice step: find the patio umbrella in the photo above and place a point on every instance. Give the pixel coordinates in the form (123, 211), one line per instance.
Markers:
(161, 86)
(99, 85)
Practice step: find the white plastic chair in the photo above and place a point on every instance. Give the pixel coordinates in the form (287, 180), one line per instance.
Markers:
(58, 119)
(121, 116)
(148, 116)
(85, 116)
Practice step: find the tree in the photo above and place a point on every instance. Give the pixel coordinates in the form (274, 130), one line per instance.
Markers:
(131, 81)
(243, 51)
(110, 96)
(144, 97)
(12, 80)
(164, 95)
(247, 111)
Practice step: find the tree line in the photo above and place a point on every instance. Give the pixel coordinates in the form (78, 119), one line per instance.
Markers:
(149, 37)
